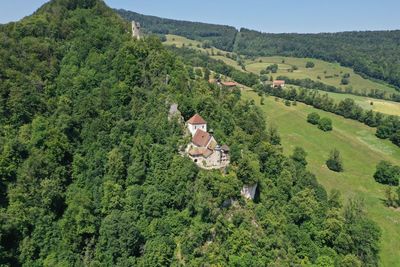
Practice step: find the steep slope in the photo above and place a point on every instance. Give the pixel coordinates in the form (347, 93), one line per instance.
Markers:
(220, 36)
(90, 169)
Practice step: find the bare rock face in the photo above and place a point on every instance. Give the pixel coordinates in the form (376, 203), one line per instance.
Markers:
(249, 191)
(136, 30)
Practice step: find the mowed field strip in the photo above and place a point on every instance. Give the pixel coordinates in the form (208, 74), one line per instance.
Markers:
(360, 150)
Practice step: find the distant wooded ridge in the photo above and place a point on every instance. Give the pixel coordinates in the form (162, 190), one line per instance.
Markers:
(374, 54)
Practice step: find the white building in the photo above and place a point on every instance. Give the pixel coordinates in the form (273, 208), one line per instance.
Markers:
(203, 148)
(136, 30)
(196, 122)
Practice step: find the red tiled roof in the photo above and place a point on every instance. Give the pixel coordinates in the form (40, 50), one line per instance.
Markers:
(196, 119)
(201, 138)
(279, 82)
(229, 83)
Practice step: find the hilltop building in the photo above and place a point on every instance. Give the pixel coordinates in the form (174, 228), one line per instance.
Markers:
(196, 122)
(136, 30)
(203, 148)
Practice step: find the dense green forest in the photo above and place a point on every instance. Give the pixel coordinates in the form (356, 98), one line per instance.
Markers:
(90, 170)
(216, 35)
(374, 54)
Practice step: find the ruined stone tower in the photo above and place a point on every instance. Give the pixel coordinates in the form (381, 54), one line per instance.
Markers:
(136, 32)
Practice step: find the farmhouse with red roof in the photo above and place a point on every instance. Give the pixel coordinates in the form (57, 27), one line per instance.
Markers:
(203, 148)
(278, 83)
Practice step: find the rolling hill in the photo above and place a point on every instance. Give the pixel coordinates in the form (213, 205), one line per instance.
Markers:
(371, 53)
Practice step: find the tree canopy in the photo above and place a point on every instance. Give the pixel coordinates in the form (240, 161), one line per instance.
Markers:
(91, 173)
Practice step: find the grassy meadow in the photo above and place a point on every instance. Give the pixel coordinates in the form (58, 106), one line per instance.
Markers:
(360, 150)
(328, 73)
(215, 53)
(367, 103)
(383, 106)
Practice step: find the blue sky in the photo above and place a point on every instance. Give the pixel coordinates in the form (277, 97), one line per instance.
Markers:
(262, 15)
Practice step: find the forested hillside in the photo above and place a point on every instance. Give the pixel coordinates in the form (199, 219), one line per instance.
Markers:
(90, 170)
(375, 54)
(219, 36)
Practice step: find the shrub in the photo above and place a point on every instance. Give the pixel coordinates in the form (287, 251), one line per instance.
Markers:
(287, 103)
(386, 173)
(345, 81)
(325, 124)
(310, 64)
(313, 118)
(334, 162)
(273, 68)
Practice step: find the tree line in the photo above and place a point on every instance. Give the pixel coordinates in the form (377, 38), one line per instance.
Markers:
(311, 84)
(388, 126)
(372, 54)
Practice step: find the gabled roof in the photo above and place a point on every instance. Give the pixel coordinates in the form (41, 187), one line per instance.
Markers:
(196, 119)
(201, 138)
(279, 82)
(229, 84)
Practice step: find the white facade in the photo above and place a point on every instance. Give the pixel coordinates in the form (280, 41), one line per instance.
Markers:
(193, 128)
(214, 161)
(136, 31)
